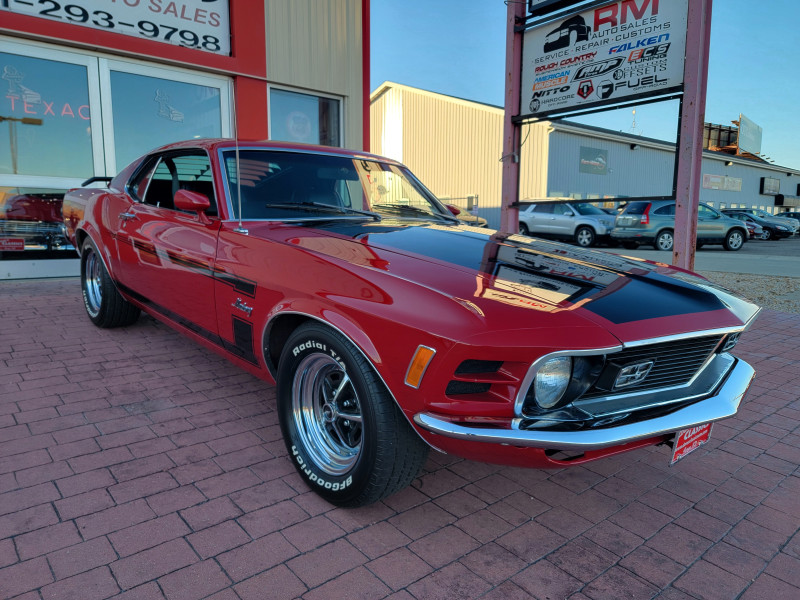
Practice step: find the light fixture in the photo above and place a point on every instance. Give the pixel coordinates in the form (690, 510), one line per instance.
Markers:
(634, 146)
(728, 163)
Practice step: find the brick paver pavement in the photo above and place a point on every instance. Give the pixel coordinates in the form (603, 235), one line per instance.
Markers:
(135, 464)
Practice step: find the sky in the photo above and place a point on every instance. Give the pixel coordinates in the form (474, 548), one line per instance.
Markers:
(457, 47)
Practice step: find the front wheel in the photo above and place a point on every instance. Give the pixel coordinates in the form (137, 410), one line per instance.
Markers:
(104, 304)
(345, 435)
(734, 240)
(585, 237)
(767, 235)
(523, 229)
(664, 240)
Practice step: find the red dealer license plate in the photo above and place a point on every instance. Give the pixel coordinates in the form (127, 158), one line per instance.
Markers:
(12, 244)
(689, 440)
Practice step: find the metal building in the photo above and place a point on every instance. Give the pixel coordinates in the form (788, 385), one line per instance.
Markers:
(455, 147)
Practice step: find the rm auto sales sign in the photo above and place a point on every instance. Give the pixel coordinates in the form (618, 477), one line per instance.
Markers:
(604, 55)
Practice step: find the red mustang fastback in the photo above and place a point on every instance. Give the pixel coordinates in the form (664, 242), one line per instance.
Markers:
(390, 327)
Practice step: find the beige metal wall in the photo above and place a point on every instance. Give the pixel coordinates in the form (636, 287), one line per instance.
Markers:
(454, 146)
(316, 46)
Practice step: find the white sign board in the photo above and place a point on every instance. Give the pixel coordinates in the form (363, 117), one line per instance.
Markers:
(749, 136)
(722, 182)
(618, 51)
(199, 24)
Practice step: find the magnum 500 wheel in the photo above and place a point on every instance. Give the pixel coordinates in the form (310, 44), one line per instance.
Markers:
(104, 305)
(344, 434)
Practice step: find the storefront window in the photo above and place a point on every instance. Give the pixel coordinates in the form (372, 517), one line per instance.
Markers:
(296, 117)
(30, 220)
(149, 112)
(44, 110)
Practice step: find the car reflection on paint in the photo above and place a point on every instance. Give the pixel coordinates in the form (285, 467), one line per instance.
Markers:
(390, 327)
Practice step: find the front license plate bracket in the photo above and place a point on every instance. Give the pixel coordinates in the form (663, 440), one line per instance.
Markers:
(688, 440)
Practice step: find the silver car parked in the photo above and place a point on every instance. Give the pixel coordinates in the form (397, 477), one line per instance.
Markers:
(645, 222)
(578, 222)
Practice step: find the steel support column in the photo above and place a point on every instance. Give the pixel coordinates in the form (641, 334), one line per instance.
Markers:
(509, 215)
(689, 150)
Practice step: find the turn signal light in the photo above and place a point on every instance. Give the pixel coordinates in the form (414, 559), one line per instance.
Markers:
(419, 364)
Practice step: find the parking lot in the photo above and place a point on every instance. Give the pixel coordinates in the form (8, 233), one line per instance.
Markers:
(136, 464)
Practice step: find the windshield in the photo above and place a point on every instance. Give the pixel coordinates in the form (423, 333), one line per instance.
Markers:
(304, 186)
(589, 209)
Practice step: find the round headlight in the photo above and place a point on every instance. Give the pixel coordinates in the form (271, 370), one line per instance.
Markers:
(552, 380)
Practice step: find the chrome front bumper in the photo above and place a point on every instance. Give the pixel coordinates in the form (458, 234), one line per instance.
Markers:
(722, 404)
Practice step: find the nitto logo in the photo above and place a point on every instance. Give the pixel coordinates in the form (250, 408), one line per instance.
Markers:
(598, 68)
(585, 89)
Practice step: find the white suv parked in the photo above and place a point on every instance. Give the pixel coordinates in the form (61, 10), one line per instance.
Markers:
(578, 222)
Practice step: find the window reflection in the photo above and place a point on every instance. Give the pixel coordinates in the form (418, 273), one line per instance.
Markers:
(150, 112)
(30, 220)
(304, 118)
(45, 126)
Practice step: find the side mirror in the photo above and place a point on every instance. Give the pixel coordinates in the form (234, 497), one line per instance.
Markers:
(569, 213)
(193, 202)
(453, 209)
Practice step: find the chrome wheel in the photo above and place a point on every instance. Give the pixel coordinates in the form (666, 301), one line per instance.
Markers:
(585, 237)
(93, 283)
(327, 414)
(734, 241)
(664, 241)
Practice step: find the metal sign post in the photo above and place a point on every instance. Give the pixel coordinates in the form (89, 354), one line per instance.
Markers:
(509, 213)
(690, 135)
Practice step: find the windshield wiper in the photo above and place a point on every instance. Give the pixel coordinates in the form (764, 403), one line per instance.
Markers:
(317, 206)
(413, 209)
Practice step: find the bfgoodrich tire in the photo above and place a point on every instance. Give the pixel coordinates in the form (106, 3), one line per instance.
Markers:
(103, 303)
(344, 433)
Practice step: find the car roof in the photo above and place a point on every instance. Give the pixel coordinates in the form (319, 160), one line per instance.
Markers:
(213, 144)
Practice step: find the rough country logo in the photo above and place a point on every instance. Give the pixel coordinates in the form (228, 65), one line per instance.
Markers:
(585, 89)
(596, 69)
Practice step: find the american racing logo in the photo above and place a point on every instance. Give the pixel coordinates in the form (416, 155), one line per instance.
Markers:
(596, 69)
(643, 43)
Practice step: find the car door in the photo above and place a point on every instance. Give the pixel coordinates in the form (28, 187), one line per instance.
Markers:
(710, 224)
(540, 218)
(167, 255)
(562, 223)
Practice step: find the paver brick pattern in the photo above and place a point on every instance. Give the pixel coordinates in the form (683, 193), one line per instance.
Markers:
(136, 464)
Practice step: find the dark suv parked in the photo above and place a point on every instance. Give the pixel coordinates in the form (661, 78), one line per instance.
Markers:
(643, 222)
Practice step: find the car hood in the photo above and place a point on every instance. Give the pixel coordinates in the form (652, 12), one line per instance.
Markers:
(491, 271)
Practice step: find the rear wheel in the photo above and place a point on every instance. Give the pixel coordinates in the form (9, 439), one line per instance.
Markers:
(664, 240)
(585, 237)
(523, 229)
(104, 304)
(345, 435)
(734, 240)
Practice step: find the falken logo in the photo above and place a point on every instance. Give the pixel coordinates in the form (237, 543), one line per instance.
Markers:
(633, 374)
(596, 69)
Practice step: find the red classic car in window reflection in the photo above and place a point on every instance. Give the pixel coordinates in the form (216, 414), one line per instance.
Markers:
(34, 218)
(390, 327)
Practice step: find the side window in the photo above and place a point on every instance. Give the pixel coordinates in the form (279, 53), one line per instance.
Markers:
(544, 209)
(706, 213)
(562, 209)
(180, 172)
(665, 211)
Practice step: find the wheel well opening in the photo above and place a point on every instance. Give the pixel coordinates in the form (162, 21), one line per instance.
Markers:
(275, 338)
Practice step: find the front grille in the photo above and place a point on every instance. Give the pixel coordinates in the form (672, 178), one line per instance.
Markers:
(675, 363)
(478, 366)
